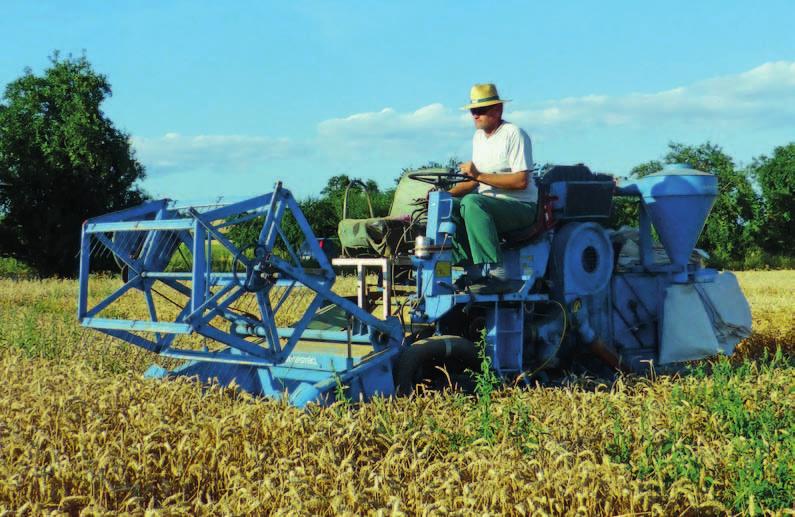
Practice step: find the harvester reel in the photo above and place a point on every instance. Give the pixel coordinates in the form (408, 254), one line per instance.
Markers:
(145, 239)
(259, 274)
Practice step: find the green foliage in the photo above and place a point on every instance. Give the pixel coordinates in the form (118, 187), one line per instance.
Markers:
(620, 445)
(776, 178)
(342, 397)
(61, 162)
(334, 194)
(625, 210)
(760, 432)
(522, 426)
(323, 213)
(182, 260)
(318, 212)
(486, 381)
(12, 268)
(650, 167)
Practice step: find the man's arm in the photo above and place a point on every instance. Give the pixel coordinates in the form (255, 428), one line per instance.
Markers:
(463, 188)
(506, 180)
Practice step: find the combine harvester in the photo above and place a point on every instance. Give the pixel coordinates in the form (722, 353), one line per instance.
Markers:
(258, 316)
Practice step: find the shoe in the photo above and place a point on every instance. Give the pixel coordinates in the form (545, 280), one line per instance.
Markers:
(466, 282)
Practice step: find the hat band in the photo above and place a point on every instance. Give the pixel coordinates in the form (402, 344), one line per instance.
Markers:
(486, 99)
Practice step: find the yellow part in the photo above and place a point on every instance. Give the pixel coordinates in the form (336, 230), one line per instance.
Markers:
(332, 348)
(443, 269)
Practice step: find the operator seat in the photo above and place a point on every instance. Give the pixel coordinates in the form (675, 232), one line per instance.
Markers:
(388, 236)
(544, 221)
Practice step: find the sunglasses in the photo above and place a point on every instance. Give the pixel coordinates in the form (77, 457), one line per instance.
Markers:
(481, 111)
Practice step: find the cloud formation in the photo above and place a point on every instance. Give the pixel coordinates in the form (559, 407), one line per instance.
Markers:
(434, 131)
(174, 152)
(434, 120)
(760, 98)
(763, 96)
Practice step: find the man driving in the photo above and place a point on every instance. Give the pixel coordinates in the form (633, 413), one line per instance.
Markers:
(501, 196)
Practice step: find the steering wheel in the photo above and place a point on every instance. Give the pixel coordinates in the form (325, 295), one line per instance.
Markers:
(438, 178)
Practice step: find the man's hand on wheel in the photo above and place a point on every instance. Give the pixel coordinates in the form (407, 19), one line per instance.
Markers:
(469, 169)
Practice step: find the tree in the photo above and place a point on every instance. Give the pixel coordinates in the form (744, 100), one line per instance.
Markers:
(334, 193)
(321, 216)
(625, 210)
(776, 178)
(61, 162)
(319, 213)
(336, 184)
(323, 213)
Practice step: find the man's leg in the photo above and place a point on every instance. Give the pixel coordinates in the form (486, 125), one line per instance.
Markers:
(485, 218)
(460, 243)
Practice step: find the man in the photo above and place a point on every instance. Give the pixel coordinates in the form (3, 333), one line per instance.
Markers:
(501, 196)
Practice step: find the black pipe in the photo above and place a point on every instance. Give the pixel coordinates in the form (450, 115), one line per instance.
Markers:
(453, 351)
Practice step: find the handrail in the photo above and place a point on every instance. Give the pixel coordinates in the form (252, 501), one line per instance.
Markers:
(360, 184)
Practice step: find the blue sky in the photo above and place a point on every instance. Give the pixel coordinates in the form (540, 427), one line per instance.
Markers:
(223, 100)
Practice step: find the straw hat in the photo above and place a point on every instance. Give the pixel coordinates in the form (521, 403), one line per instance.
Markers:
(484, 95)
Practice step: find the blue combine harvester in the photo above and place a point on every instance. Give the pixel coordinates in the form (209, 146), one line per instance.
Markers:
(258, 315)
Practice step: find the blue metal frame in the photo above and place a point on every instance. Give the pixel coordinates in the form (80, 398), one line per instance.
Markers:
(276, 362)
(210, 295)
(504, 312)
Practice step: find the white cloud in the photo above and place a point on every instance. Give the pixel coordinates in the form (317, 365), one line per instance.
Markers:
(175, 152)
(426, 123)
(721, 108)
(763, 96)
(432, 132)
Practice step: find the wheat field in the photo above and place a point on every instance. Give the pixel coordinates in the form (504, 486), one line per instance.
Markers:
(81, 432)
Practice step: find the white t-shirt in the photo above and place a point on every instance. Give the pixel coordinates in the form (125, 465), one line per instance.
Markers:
(508, 149)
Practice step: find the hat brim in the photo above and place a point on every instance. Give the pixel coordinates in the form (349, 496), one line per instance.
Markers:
(484, 104)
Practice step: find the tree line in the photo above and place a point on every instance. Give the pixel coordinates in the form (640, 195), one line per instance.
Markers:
(62, 161)
(749, 223)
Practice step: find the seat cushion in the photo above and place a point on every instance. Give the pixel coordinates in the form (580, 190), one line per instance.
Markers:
(381, 236)
(544, 221)
(522, 236)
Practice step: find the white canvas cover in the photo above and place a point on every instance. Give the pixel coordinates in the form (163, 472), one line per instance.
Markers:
(728, 310)
(703, 319)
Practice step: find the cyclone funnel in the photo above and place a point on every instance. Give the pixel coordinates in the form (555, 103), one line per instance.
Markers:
(678, 200)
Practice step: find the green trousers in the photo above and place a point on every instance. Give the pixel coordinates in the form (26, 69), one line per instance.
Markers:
(480, 220)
